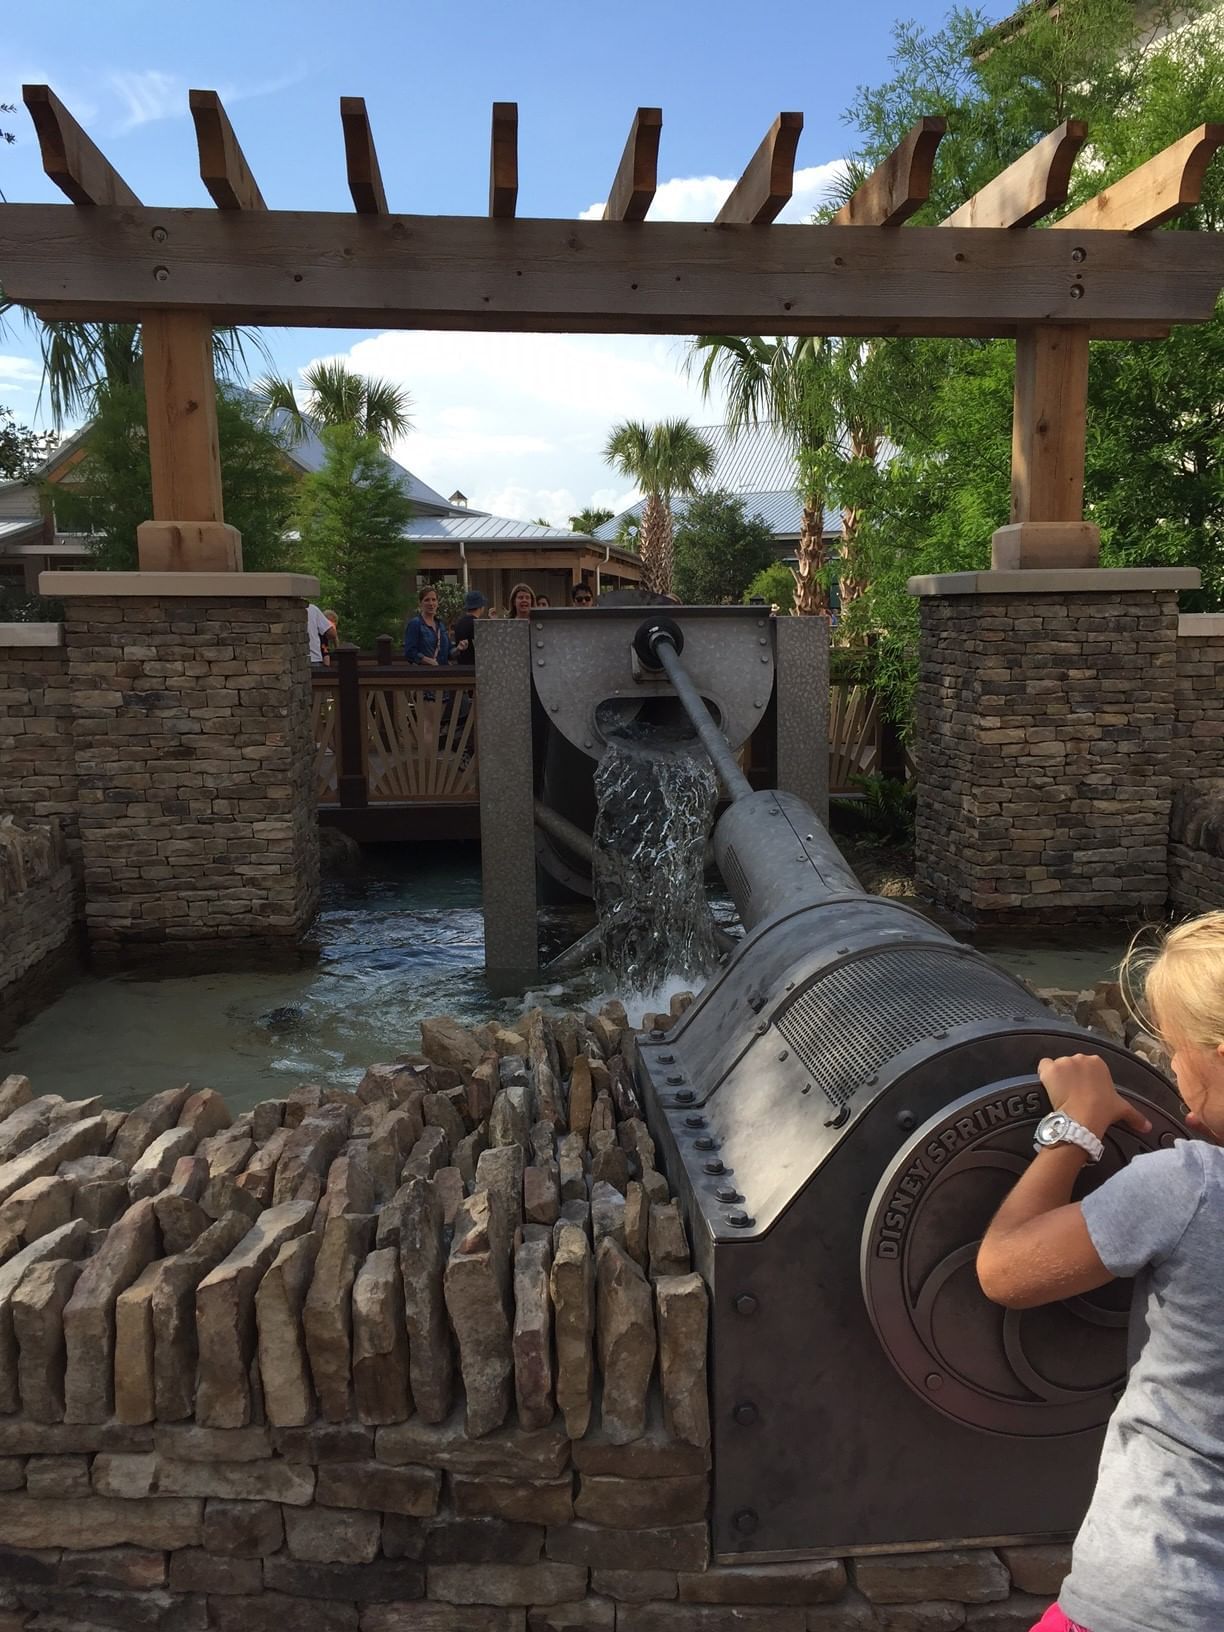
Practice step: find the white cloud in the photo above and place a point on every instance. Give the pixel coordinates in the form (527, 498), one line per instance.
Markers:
(21, 372)
(699, 198)
(519, 421)
(147, 96)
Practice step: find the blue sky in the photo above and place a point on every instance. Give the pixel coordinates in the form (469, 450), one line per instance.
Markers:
(516, 421)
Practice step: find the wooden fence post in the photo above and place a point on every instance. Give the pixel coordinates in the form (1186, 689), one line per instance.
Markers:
(351, 782)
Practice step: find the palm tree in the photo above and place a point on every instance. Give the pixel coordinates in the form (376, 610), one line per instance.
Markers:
(586, 521)
(339, 396)
(788, 383)
(665, 460)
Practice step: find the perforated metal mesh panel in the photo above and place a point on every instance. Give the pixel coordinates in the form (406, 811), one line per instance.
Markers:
(735, 878)
(850, 1022)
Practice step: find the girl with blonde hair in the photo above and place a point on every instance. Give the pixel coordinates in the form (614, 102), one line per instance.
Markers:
(1149, 1556)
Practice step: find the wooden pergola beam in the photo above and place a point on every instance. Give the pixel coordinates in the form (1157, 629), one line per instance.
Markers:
(503, 161)
(901, 184)
(1155, 192)
(361, 158)
(637, 175)
(682, 277)
(71, 160)
(1028, 189)
(769, 179)
(223, 167)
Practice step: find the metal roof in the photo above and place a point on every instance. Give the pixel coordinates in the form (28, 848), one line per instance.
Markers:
(475, 527)
(19, 530)
(780, 511)
(307, 450)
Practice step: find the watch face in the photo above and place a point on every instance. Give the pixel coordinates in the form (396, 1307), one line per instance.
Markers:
(1052, 1128)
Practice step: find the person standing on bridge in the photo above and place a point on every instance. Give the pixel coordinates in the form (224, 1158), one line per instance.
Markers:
(463, 648)
(1149, 1556)
(425, 638)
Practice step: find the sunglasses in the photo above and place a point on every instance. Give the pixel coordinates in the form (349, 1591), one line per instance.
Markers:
(582, 600)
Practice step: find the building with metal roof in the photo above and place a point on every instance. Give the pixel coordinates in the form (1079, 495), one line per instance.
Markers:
(757, 466)
(456, 543)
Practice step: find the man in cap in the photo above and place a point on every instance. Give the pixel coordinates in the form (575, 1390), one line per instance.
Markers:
(474, 607)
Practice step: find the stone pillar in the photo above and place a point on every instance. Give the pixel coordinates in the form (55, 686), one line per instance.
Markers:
(194, 757)
(37, 773)
(1198, 726)
(1045, 742)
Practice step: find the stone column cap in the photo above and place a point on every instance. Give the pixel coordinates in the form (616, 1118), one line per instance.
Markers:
(181, 585)
(1201, 624)
(1055, 581)
(31, 634)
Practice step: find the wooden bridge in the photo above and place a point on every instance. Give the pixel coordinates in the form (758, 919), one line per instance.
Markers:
(397, 747)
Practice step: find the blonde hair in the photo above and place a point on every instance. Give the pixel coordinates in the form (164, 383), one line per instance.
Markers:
(1180, 979)
(513, 612)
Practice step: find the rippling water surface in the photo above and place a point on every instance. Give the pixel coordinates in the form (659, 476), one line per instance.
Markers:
(400, 943)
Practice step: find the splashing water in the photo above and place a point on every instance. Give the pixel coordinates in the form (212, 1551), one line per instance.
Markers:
(654, 816)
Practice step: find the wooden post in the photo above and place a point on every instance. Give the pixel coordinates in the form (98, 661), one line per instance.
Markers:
(382, 651)
(351, 774)
(188, 531)
(1048, 429)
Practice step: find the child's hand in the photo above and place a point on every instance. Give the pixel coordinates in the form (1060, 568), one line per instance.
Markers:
(1080, 1085)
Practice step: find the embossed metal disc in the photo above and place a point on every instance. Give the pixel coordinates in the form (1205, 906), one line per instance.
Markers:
(1031, 1372)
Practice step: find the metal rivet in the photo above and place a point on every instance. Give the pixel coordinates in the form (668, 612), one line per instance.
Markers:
(740, 1221)
(161, 273)
(746, 1521)
(842, 951)
(872, 1079)
(1020, 1018)
(790, 985)
(745, 1304)
(674, 1078)
(539, 626)
(785, 1054)
(159, 235)
(756, 705)
(760, 623)
(705, 1142)
(939, 1034)
(539, 644)
(762, 641)
(694, 1121)
(761, 1029)
(553, 707)
(764, 659)
(746, 1413)
(906, 1121)
(587, 744)
(934, 1381)
(714, 1166)
(685, 1096)
(539, 662)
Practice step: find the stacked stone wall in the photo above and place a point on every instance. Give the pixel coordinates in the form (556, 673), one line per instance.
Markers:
(37, 918)
(1046, 754)
(1198, 726)
(426, 1356)
(192, 747)
(37, 773)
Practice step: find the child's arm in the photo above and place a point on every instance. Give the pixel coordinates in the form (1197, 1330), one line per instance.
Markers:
(1038, 1249)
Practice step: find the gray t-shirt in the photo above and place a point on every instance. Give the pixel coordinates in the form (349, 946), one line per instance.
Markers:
(1150, 1554)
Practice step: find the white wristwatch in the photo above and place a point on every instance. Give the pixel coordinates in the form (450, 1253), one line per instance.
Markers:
(1059, 1129)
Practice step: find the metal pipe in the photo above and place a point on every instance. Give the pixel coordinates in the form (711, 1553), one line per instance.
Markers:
(564, 831)
(735, 783)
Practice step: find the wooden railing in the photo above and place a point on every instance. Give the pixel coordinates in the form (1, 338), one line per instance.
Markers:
(393, 733)
(388, 732)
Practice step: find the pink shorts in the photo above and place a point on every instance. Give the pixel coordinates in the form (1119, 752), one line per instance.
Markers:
(1055, 1621)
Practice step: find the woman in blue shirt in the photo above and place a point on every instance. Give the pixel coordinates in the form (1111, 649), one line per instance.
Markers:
(425, 638)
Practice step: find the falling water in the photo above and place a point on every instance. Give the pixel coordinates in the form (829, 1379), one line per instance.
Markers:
(654, 817)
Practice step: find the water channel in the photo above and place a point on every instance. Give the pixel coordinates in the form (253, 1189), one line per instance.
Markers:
(402, 941)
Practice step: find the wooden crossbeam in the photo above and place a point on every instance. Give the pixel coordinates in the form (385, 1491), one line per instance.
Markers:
(71, 160)
(223, 168)
(1028, 189)
(769, 180)
(361, 158)
(638, 173)
(341, 269)
(900, 185)
(503, 161)
(1155, 192)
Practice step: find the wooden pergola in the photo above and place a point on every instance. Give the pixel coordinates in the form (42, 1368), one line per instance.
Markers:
(1103, 274)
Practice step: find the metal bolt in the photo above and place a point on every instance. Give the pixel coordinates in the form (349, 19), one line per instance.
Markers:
(934, 1381)
(746, 1522)
(790, 985)
(774, 811)
(656, 1031)
(745, 1304)
(1019, 1018)
(756, 705)
(587, 744)
(764, 659)
(1077, 292)
(906, 1121)
(1078, 255)
(745, 1413)
(694, 1121)
(939, 1034)
(667, 1059)
(785, 1054)
(727, 1192)
(740, 1221)
(842, 951)
(872, 1079)
(539, 626)
(705, 1142)
(839, 1118)
(685, 1096)
(674, 1078)
(553, 707)
(159, 235)
(714, 1166)
(161, 273)
(761, 1028)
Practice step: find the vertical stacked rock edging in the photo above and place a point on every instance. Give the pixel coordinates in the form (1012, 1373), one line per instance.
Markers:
(37, 918)
(36, 709)
(426, 1356)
